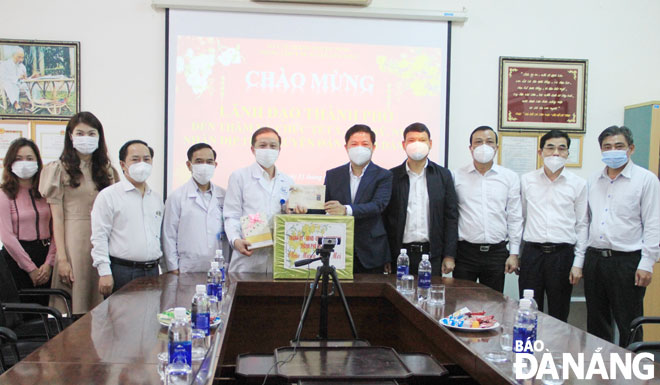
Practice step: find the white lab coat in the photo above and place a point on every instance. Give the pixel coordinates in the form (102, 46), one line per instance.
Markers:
(191, 232)
(248, 192)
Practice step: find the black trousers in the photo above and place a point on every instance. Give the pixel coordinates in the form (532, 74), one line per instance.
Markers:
(125, 274)
(358, 268)
(415, 252)
(545, 268)
(38, 251)
(609, 287)
(486, 266)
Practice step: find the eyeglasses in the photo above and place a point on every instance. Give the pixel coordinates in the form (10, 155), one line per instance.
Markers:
(552, 148)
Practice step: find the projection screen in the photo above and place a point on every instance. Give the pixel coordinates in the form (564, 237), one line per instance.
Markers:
(308, 77)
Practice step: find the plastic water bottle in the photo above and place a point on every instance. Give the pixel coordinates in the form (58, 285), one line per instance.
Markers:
(180, 337)
(424, 278)
(402, 267)
(524, 328)
(214, 289)
(200, 313)
(529, 294)
(220, 258)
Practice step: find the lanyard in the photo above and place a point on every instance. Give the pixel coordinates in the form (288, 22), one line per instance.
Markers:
(18, 218)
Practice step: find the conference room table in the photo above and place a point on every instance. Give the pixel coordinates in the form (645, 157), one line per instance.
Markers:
(118, 341)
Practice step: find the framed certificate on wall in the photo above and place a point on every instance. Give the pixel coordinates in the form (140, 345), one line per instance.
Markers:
(542, 94)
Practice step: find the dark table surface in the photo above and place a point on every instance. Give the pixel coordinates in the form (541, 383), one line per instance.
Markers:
(118, 341)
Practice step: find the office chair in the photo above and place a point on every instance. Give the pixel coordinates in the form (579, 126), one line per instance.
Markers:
(643, 346)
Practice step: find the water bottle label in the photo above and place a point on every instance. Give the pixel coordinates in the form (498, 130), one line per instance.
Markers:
(401, 270)
(202, 322)
(218, 291)
(214, 289)
(222, 269)
(424, 280)
(181, 351)
(523, 340)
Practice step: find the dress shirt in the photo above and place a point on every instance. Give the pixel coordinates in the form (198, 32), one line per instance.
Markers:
(126, 225)
(18, 222)
(355, 184)
(417, 211)
(193, 227)
(489, 208)
(555, 211)
(625, 213)
(250, 191)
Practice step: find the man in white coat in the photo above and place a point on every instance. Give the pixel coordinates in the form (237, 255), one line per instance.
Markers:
(12, 72)
(193, 224)
(258, 188)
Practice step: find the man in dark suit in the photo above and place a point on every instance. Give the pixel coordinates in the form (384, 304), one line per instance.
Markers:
(362, 189)
(422, 216)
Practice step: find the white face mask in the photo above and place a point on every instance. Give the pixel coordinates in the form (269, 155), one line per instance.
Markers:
(25, 169)
(202, 173)
(417, 150)
(359, 155)
(266, 157)
(85, 144)
(554, 163)
(139, 172)
(483, 153)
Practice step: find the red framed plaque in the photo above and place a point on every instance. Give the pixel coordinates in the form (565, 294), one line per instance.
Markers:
(542, 94)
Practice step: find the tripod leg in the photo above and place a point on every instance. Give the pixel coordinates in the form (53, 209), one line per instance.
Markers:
(335, 280)
(308, 302)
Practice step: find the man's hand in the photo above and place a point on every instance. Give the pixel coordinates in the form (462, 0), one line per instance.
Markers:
(448, 264)
(511, 265)
(335, 208)
(34, 276)
(106, 283)
(642, 278)
(175, 272)
(300, 210)
(65, 273)
(575, 275)
(241, 246)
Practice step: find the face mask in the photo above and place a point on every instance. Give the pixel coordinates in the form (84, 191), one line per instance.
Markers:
(139, 172)
(417, 150)
(24, 169)
(202, 173)
(266, 157)
(85, 144)
(615, 158)
(359, 155)
(483, 153)
(554, 163)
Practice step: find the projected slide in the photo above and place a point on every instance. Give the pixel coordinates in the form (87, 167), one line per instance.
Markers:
(311, 92)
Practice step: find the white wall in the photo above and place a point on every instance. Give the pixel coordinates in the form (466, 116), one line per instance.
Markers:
(123, 56)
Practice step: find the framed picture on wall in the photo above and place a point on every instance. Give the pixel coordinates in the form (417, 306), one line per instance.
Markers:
(519, 151)
(49, 137)
(542, 94)
(9, 131)
(39, 79)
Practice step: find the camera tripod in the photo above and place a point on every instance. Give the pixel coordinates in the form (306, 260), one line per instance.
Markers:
(323, 272)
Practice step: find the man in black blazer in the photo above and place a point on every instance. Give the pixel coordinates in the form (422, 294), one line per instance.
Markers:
(362, 189)
(422, 216)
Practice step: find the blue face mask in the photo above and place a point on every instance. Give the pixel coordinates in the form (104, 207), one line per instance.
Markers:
(615, 158)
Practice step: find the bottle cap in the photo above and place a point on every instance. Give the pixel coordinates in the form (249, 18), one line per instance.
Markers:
(179, 312)
(403, 251)
(425, 257)
(528, 293)
(200, 289)
(282, 201)
(214, 265)
(525, 303)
